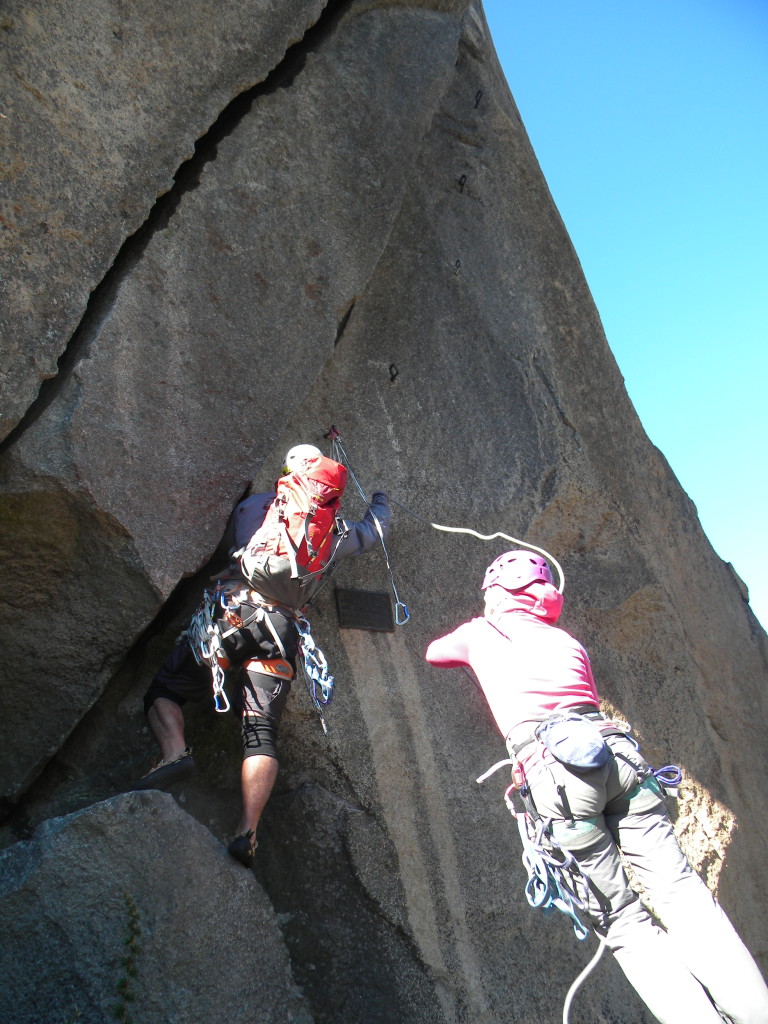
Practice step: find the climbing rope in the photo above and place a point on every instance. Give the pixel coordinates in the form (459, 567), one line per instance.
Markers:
(553, 873)
(579, 981)
(490, 536)
(339, 454)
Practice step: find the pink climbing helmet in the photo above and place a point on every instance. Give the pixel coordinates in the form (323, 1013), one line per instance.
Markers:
(516, 569)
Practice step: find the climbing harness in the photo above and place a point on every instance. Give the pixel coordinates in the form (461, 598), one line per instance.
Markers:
(205, 637)
(490, 536)
(338, 452)
(555, 879)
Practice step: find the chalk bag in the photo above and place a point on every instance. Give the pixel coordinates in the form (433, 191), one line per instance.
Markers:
(575, 742)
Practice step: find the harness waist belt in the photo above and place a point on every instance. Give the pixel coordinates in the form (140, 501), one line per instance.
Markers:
(262, 601)
(522, 735)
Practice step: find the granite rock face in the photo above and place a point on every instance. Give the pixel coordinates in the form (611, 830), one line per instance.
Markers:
(101, 105)
(364, 239)
(200, 355)
(105, 912)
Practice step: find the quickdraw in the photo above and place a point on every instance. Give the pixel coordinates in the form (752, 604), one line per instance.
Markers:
(402, 614)
(319, 681)
(205, 641)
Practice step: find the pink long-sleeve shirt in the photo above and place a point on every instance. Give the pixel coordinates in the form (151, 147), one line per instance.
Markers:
(526, 666)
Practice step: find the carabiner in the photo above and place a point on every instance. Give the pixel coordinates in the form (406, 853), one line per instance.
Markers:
(216, 697)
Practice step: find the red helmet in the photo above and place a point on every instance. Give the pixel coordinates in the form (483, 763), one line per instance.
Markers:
(516, 569)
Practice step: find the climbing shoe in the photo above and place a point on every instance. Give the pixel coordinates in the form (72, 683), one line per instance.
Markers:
(243, 847)
(167, 772)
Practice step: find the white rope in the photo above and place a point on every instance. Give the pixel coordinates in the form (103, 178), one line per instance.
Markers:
(582, 978)
(339, 453)
(490, 536)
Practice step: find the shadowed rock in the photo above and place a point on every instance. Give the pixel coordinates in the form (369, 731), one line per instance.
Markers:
(132, 910)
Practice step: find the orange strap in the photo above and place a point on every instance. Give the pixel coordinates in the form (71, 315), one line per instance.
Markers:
(269, 667)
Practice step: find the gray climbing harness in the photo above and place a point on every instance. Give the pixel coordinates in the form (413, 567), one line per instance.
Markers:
(555, 879)
(206, 640)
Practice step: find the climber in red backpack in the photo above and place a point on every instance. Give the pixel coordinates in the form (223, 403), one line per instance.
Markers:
(282, 546)
(592, 794)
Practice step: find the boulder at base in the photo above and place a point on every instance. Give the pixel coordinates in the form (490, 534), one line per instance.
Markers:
(131, 909)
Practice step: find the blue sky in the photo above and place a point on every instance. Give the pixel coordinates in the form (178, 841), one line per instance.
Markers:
(649, 122)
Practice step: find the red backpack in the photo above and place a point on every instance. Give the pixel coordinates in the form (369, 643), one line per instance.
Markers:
(284, 560)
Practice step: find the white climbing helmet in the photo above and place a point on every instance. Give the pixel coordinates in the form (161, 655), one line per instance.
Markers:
(298, 456)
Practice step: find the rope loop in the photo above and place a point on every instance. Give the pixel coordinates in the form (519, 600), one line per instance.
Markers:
(669, 776)
(553, 874)
(489, 536)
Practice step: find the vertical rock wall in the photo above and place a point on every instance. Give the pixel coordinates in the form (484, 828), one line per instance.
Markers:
(208, 332)
(366, 240)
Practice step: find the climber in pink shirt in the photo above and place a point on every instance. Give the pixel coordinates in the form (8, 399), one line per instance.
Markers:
(598, 796)
(550, 670)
